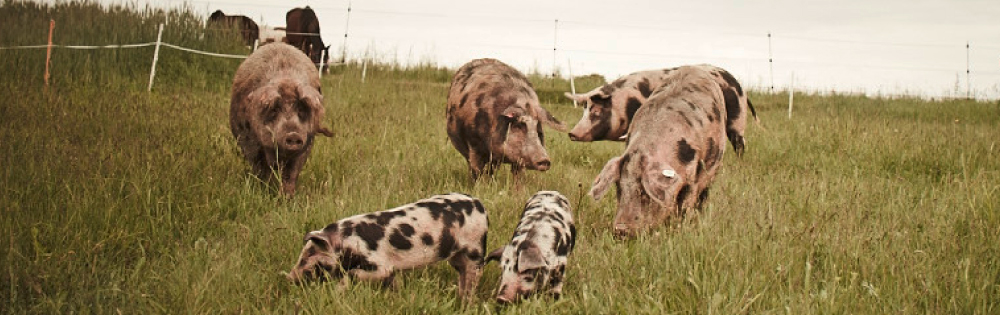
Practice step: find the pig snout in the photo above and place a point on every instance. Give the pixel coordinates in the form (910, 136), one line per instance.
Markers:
(624, 231)
(293, 141)
(508, 294)
(543, 165)
(503, 300)
(581, 133)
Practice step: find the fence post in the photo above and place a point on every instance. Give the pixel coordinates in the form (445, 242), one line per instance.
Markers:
(770, 61)
(364, 69)
(555, 36)
(48, 53)
(572, 85)
(791, 95)
(347, 25)
(968, 75)
(156, 56)
(322, 57)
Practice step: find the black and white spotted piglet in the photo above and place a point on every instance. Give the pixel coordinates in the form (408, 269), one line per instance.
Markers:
(535, 258)
(373, 246)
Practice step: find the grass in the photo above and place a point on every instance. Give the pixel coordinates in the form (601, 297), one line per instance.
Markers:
(118, 200)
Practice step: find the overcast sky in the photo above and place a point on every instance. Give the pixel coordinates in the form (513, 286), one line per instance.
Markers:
(889, 47)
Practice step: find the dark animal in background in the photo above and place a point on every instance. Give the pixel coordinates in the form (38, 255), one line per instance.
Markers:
(275, 111)
(494, 117)
(374, 246)
(608, 109)
(535, 259)
(674, 150)
(248, 29)
(302, 31)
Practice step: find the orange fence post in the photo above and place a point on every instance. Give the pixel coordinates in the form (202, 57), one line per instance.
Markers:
(48, 53)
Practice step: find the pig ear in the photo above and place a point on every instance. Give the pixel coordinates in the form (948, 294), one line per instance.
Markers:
(495, 254)
(319, 239)
(657, 180)
(265, 96)
(607, 176)
(530, 258)
(549, 120)
(311, 97)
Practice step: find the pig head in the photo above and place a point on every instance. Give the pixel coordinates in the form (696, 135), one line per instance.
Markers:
(320, 258)
(649, 191)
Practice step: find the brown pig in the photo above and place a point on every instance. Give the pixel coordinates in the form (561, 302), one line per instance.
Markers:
(494, 117)
(275, 111)
(609, 109)
(674, 150)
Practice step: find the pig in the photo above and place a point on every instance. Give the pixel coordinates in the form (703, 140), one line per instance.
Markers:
(494, 117)
(535, 258)
(374, 246)
(674, 150)
(609, 109)
(275, 111)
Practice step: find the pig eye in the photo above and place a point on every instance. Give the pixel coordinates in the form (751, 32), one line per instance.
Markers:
(271, 113)
(303, 111)
(595, 111)
(529, 275)
(541, 135)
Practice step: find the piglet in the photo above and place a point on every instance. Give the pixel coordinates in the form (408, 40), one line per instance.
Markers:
(374, 246)
(535, 258)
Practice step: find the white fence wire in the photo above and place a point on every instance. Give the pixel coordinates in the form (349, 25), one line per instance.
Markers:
(156, 54)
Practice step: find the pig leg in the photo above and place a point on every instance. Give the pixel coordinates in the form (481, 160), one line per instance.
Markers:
(461, 146)
(260, 167)
(469, 273)
(290, 172)
(556, 291)
(477, 164)
(385, 275)
(736, 139)
(517, 175)
(388, 282)
(701, 198)
(271, 166)
(556, 282)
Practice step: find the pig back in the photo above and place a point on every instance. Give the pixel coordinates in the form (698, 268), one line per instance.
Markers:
(481, 90)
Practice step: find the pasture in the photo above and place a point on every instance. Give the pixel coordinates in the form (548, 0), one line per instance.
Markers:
(115, 200)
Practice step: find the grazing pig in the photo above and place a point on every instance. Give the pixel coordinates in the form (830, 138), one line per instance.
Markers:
(494, 117)
(374, 246)
(275, 111)
(675, 148)
(608, 110)
(535, 259)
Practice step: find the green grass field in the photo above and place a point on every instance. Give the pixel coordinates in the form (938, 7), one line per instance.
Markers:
(115, 200)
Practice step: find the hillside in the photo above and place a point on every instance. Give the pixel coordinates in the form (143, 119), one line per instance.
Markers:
(118, 200)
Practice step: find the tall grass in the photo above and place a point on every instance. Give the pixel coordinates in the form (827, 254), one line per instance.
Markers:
(117, 200)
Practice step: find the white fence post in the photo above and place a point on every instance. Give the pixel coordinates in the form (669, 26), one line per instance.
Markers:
(968, 73)
(572, 85)
(156, 56)
(555, 37)
(347, 25)
(770, 61)
(364, 68)
(791, 95)
(322, 57)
